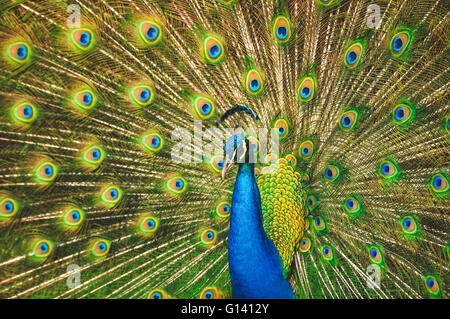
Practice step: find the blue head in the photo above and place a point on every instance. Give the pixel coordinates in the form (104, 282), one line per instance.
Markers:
(235, 151)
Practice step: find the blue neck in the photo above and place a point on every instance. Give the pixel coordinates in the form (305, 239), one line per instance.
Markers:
(255, 265)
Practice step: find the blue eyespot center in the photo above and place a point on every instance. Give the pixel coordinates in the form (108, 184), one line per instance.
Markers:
(305, 92)
(155, 141)
(102, 246)
(328, 173)
(303, 242)
(152, 33)
(386, 168)
(350, 203)
(206, 108)
(43, 247)
(220, 164)
(145, 95)
(113, 193)
(75, 216)
(22, 52)
(373, 253)
(352, 57)
(407, 223)
(85, 38)
(398, 44)
(214, 51)
(87, 98)
(282, 32)
(208, 295)
(430, 283)
(346, 122)
(437, 182)
(96, 154)
(27, 111)
(318, 221)
(254, 85)
(156, 295)
(226, 208)
(326, 250)
(281, 130)
(9, 206)
(48, 171)
(210, 235)
(150, 223)
(179, 184)
(305, 151)
(400, 114)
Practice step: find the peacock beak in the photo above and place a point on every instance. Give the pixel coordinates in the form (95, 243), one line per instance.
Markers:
(228, 163)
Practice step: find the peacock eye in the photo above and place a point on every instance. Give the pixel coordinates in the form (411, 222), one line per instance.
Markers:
(46, 172)
(217, 163)
(148, 225)
(223, 209)
(82, 38)
(402, 114)
(257, 173)
(213, 49)
(73, 217)
(208, 237)
(142, 95)
(348, 120)
(353, 55)
(100, 248)
(85, 99)
(375, 254)
(331, 173)
(19, 52)
(409, 225)
(388, 170)
(8, 207)
(157, 294)
(325, 2)
(111, 195)
(319, 224)
(93, 155)
(400, 42)
(281, 29)
(306, 89)
(209, 293)
(327, 252)
(439, 184)
(150, 32)
(306, 149)
(253, 141)
(254, 82)
(25, 113)
(432, 285)
(42, 248)
(291, 160)
(311, 202)
(176, 185)
(282, 128)
(204, 107)
(305, 245)
(152, 142)
(352, 206)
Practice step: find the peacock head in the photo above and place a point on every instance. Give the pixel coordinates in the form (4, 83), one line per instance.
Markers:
(235, 151)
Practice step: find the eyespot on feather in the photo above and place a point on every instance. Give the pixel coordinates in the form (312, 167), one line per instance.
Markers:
(353, 55)
(24, 113)
(281, 29)
(254, 82)
(150, 32)
(213, 49)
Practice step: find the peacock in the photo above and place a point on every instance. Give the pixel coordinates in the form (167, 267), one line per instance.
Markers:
(224, 149)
